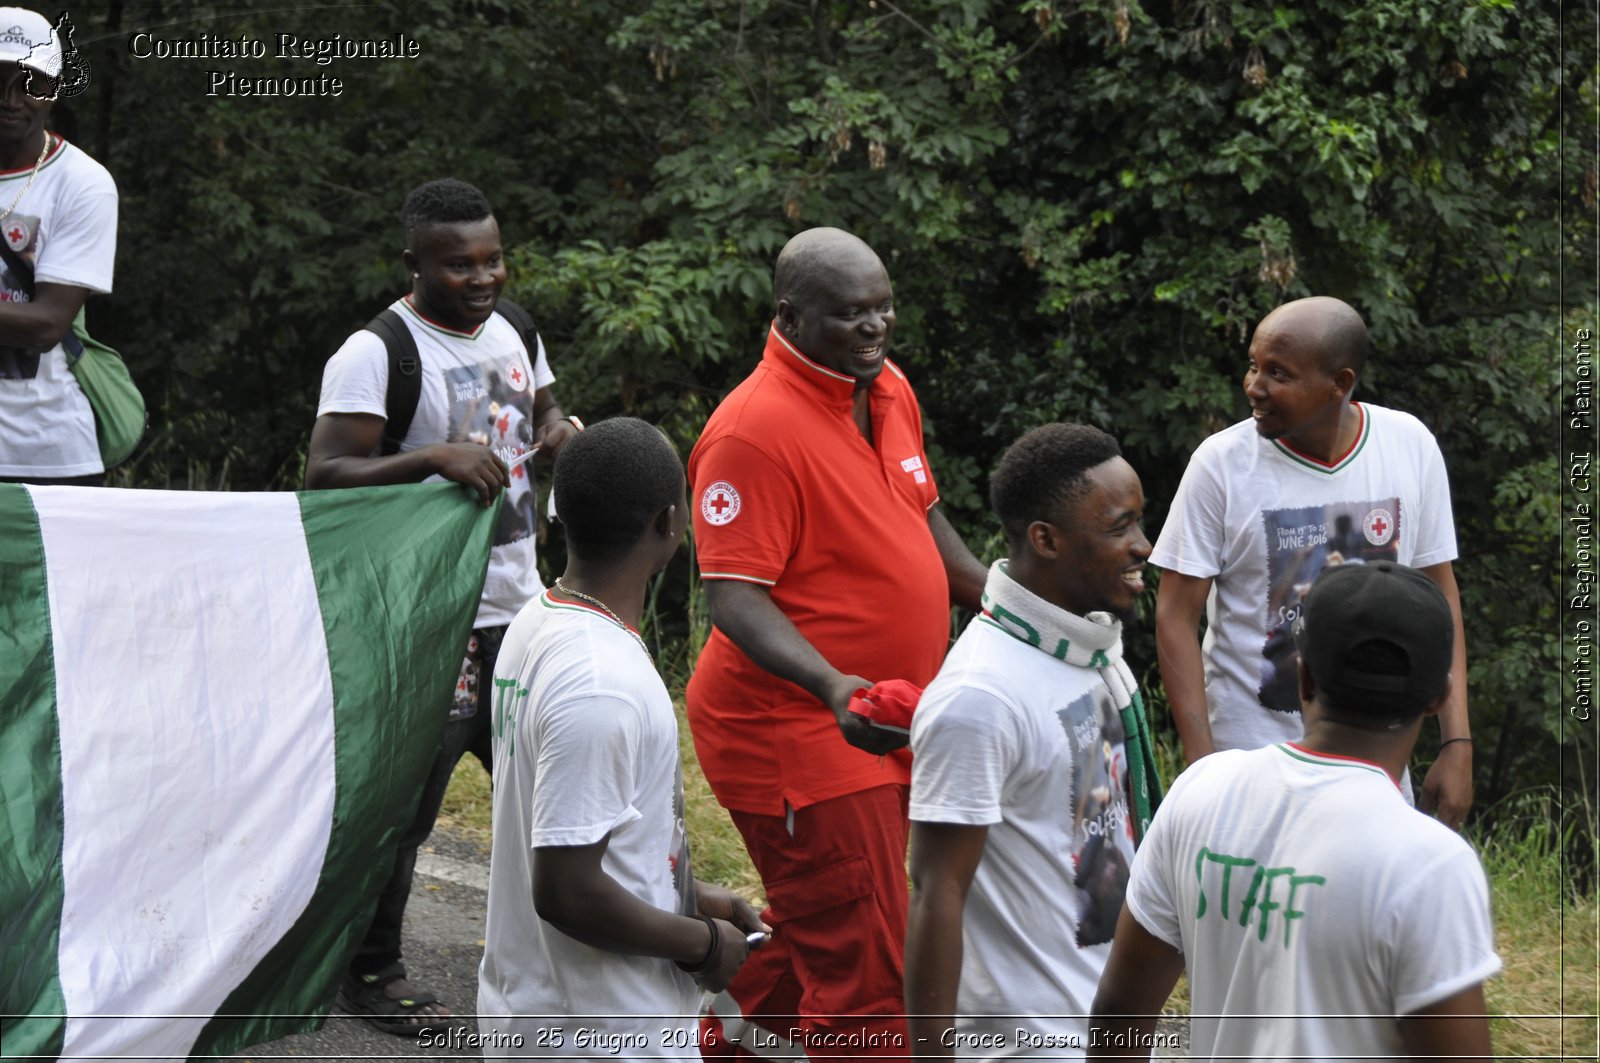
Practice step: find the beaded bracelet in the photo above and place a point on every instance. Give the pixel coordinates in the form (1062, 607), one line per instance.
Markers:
(713, 952)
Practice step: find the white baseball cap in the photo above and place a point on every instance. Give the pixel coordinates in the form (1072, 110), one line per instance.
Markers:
(27, 37)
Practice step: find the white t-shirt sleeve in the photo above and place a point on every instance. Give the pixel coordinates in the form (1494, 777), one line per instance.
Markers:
(961, 753)
(589, 750)
(1153, 894)
(1436, 525)
(1442, 938)
(80, 243)
(1194, 538)
(356, 379)
(542, 376)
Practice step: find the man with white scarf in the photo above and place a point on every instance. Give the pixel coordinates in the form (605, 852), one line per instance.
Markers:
(1032, 777)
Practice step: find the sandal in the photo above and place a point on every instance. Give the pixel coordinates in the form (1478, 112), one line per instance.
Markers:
(365, 996)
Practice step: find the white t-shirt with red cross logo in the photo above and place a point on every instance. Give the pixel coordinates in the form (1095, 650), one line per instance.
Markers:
(1262, 521)
(66, 226)
(478, 388)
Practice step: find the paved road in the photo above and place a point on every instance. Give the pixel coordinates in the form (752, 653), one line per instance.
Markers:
(444, 942)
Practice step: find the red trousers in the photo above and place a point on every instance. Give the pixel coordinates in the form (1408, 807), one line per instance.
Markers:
(830, 982)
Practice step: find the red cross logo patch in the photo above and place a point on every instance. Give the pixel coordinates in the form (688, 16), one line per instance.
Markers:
(1379, 526)
(516, 376)
(719, 503)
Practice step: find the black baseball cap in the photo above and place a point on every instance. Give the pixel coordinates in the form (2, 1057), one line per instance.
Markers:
(1381, 631)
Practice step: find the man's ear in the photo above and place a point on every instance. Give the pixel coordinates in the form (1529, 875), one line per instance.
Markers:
(1044, 539)
(1308, 686)
(1344, 381)
(409, 257)
(1438, 703)
(787, 318)
(663, 524)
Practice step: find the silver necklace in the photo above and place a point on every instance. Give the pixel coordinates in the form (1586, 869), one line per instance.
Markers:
(606, 609)
(36, 164)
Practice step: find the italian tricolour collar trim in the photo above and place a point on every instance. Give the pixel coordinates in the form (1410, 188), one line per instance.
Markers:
(55, 153)
(446, 330)
(807, 362)
(1363, 431)
(1335, 760)
(551, 602)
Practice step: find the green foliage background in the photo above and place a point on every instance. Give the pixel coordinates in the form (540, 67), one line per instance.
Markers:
(1084, 207)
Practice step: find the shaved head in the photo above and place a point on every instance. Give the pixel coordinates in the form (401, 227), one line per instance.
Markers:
(835, 303)
(1330, 326)
(816, 253)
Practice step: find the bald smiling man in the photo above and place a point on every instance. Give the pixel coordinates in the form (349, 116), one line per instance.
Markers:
(1311, 480)
(828, 568)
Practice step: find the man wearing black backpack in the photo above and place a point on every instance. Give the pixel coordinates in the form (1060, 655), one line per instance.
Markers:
(440, 384)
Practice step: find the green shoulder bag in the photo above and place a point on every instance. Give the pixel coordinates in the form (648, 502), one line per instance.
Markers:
(119, 413)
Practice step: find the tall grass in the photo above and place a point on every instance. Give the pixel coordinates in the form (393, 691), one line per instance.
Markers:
(1544, 1000)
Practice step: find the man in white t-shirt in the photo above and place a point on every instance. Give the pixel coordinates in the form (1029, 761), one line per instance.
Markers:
(1318, 917)
(58, 214)
(469, 359)
(598, 932)
(1312, 479)
(1031, 776)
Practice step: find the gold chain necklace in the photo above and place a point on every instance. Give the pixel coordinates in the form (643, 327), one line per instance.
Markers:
(606, 609)
(36, 164)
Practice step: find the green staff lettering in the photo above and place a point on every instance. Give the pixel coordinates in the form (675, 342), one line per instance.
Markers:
(1258, 897)
(1228, 864)
(506, 692)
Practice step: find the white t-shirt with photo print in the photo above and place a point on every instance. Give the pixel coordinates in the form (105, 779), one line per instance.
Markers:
(1262, 521)
(66, 226)
(1011, 738)
(471, 384)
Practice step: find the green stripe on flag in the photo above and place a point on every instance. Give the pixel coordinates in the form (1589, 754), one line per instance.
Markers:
(399, 572)
(30, 792)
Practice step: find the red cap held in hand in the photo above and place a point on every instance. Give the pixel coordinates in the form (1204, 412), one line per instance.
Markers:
(888, 704)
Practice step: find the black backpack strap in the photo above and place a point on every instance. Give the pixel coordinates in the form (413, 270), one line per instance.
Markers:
(522, 321)
(405, 378)
(405, 366)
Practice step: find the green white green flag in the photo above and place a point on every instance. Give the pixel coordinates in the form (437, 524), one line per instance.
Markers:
(215, 714)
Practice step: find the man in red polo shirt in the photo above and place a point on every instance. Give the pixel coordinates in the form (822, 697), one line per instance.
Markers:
(828, 567)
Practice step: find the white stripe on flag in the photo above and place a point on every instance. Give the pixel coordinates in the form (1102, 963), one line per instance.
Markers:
(203, 728)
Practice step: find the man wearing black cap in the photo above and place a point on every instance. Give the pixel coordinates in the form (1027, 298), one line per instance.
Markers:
(1317, 915)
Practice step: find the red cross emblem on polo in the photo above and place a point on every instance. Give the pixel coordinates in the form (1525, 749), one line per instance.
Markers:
(719, 503)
